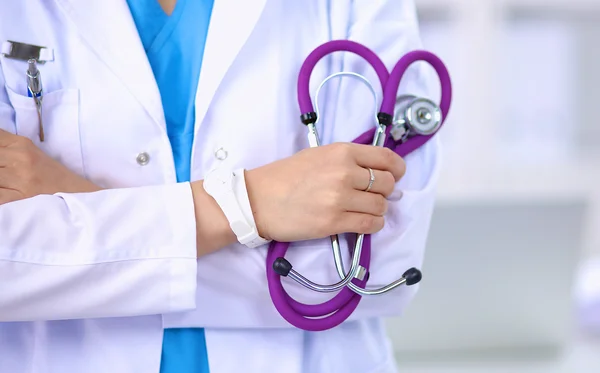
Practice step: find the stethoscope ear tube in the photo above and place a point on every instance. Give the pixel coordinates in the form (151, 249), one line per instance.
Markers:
(393, 84)
(314, 317)
(391, 88)
(389, 99)
(304, 99)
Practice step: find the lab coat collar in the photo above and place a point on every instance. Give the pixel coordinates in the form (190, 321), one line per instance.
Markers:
(232, 22)
(107, 27)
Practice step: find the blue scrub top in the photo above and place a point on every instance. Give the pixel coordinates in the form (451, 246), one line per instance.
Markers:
(175, 46)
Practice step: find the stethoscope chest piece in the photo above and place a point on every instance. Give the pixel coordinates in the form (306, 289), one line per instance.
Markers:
(415, 116)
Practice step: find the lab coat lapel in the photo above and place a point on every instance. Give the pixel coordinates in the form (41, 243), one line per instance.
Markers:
(108, 28)
(231, 23)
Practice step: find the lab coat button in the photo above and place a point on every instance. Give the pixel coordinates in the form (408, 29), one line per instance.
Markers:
(143, 159)
(221, 154)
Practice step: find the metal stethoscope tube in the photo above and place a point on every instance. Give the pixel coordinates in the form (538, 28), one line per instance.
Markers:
(430, 115)
(412, 116)
(356, 271)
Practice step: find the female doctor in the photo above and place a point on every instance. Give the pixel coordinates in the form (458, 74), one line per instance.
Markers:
(113, 257)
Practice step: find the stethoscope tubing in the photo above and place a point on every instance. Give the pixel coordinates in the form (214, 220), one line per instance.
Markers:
(304, 99)
(317, 317)
(301, 315)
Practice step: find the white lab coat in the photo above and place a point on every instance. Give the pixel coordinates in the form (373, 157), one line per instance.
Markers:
(89, 281)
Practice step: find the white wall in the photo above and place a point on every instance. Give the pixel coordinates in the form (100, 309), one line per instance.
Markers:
(524, 129)
(525, 119)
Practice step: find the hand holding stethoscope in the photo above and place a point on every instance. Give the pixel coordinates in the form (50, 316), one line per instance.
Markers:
(403, 129)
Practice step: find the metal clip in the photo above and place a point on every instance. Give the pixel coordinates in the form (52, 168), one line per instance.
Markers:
(25, 52)
(34, 89)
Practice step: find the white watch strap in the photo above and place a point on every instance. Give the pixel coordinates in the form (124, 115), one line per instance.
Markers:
(229, 191)
(241, 194)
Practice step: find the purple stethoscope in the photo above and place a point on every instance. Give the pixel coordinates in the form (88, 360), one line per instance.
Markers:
(404, 124)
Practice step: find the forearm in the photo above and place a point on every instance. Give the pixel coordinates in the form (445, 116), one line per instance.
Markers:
(212, 227)
(232, 280)
(135, 246)
(53, 244)
(235, 277)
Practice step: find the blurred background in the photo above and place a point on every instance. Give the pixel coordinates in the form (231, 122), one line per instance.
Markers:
(512, 270)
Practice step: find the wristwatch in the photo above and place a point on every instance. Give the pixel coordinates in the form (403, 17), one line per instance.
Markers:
(228, 189)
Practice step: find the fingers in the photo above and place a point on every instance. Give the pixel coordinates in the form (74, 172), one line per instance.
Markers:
(7, 158)
(355, 222)
(379, 158)
(7, 178)
(366, 203)
(361, 212)
(383, 183)
(7, 138)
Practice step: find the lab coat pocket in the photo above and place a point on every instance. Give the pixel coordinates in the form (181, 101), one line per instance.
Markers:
(60, 121)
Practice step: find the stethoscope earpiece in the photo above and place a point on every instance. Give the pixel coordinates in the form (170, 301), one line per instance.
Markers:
(282, 266)
(412, 276)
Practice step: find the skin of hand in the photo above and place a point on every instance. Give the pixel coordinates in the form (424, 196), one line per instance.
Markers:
(312, 194)
(26, 171)
(321, 191)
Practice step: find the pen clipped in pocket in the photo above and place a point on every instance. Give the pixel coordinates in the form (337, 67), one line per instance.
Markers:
(60, 116)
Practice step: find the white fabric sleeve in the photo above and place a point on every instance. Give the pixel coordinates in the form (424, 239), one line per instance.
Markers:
(232, 287)
(121, 252)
